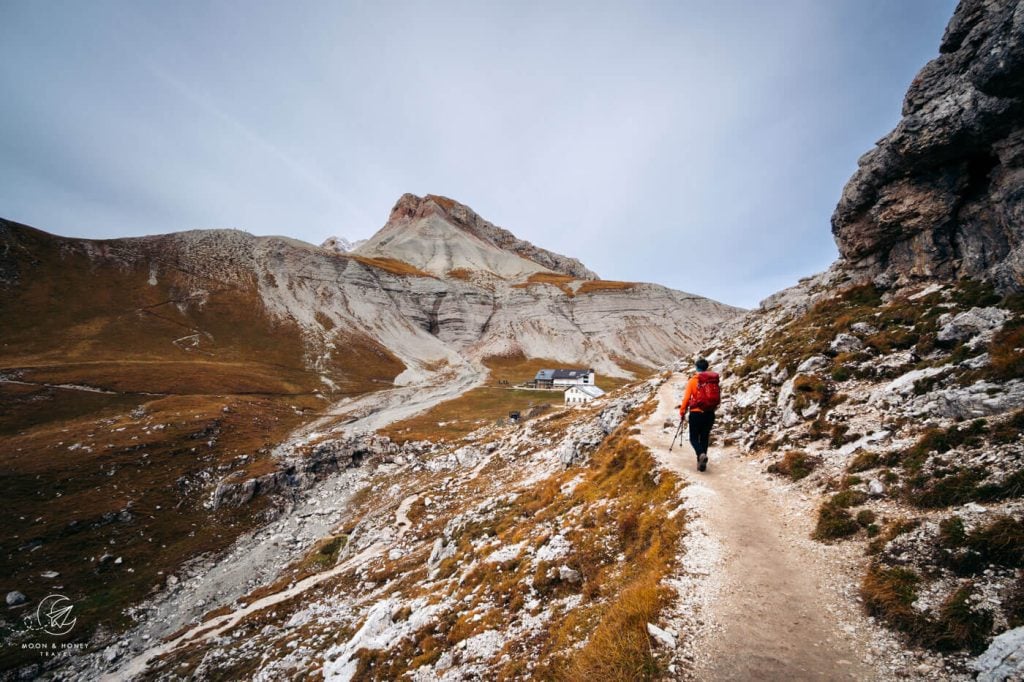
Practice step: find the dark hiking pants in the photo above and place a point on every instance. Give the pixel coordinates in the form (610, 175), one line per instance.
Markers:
(700, 431)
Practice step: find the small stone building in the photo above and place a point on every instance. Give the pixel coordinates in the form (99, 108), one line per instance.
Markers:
(577, 395)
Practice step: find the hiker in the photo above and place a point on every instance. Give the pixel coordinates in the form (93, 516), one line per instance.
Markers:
(701, 398)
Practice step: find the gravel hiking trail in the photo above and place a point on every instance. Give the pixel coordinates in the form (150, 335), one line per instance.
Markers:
(769, 603)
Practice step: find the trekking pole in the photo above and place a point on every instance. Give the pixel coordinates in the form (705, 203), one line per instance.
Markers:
(678, 431)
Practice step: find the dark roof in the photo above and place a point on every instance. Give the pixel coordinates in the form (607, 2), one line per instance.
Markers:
(551, 374)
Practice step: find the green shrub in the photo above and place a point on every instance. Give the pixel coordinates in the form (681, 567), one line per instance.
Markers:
(959, 626)
(864, 461)
(1009, 431)
(795, 464)
(841, 373)
(1007, 359)
(972, 293)
(943, 440)
(866, 517)
(951, 532)
(1013, 603)
(889, 593)
(1000, 542)
(834, 523)
(848, 498)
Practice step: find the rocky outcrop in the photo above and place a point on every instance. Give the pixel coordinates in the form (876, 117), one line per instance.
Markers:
(341, 245)
(942, 195)
(439, 234)
(299, 473)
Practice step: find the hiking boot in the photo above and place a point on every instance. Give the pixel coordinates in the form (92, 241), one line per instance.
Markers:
(702, 462)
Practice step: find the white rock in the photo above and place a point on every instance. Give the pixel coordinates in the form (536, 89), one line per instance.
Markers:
(863, 329)
(506, 553)
(14, 598)
(903, 385)
(813, 364)
(876, 488)
(662, 636)
(440, 551)
(846, 343)
(968, 402)
(1004, 658)
(444, 662)
(569, 575)
(785, 393)
(748, 397)
(977, 362)
(971, 323)
(555, 548)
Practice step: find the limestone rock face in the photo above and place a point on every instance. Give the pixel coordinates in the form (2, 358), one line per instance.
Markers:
(942, 195)
(438, 235)
(429, 319)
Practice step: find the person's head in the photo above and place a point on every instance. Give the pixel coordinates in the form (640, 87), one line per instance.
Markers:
(702, 365)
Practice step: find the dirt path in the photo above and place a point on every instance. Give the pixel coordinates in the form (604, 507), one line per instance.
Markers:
(373, 411)
(770, 607)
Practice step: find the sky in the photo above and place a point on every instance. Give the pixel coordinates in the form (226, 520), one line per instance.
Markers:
(699, 145)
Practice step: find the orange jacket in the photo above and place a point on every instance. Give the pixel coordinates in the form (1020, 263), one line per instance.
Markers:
(691, 388)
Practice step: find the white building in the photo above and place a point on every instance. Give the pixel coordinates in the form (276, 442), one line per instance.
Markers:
(577, 395)
(553, 378)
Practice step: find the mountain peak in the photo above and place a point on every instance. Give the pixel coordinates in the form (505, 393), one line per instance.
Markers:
(438, 234)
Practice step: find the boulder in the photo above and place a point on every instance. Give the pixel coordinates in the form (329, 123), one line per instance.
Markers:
(661, 636)
(15, 598)
(569, 575)
(745, 398)
(980, 399)
(863, 329)
(846, 343)
(813, 364)
(1004, 658)
(969, 324)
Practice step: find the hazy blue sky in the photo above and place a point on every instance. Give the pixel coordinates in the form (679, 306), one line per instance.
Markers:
(701, 145)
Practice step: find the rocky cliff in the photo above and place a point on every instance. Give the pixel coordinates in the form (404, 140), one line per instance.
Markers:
(942, 195)
(890, 389)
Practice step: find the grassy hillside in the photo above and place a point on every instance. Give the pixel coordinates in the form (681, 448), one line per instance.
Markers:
(492, 402)
(130, 387)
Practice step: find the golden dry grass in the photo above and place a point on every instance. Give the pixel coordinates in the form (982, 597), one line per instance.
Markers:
(554, 279)
(485, 405)
(391, 265)
(591, 286)
(637, 369)
(460, 273)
